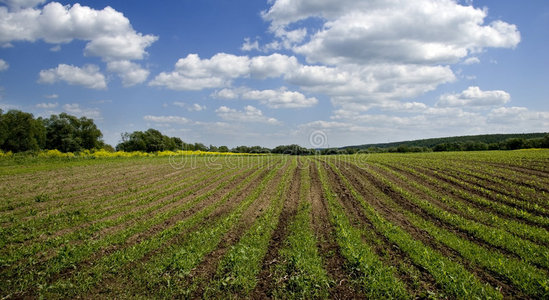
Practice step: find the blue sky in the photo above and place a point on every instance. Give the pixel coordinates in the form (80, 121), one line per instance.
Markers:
(280, 72)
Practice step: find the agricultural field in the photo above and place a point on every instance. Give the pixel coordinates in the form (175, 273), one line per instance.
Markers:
(430, 225)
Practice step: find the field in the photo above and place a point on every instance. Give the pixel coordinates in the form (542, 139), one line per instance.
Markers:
(442, 225)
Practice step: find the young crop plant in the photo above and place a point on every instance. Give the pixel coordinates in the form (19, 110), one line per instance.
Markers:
(115, 261)
(451, 276)
(537, 234)
(172, 269)
(531, 280)
(374, 278)
(238, 270)
(301, 275)
(526, 249)
(73, 253)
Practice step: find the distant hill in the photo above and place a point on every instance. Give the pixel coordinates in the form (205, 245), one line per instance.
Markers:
(485, 138)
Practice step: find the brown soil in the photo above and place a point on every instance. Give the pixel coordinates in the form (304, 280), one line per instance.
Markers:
(494, 187)
(334, 263)
(109, 230)
(115, 283)
(388, 252)
(168, 223)
(368, 181)
(205, 272)
(480, 194)
(540, 174)
(82, 184)
(266, 284)
(455, 197)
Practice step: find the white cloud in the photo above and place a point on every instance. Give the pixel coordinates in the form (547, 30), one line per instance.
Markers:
(371, 83)
(471, 60)
(280, 98)
(178, 103)
(108, 32)
(166, 119)
(473, 96)
(227, 93)
(520, 117)
(56, 48)
(3, 65)
(194, 73)
(76, 110)
(249, 114)
(399, 31)
(130, 73)
(196, 107)
(375, 52)
(52, 96)
(48, 105)
(249, 45)
(6, 106)
(89, 76)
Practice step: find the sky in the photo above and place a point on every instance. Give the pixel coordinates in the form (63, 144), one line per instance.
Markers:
(318, 73)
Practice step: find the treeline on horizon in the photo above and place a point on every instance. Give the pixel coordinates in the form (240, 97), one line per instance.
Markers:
(21, 132)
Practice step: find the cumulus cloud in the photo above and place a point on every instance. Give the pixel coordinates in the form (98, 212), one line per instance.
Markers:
(130, 72)
(248, 45)
(347, 83)
(250, 114)
(471, 60)
(372, 83)
(196, 107)
(48, 105)
(76, 110)
(108, 32)
(399, 31)
(473, 96)
(372, 52)
(281, 98)
(3, 65)
(194, 73)
(89, 76)
(51, 96)
(521, 117)
(166, 119)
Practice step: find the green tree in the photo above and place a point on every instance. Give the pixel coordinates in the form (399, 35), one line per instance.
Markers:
(223, 149)
(514, 143)
(68, 133)
(151, 140)
(20, 131)
(545, 141)
(3, 129)
(200, 147)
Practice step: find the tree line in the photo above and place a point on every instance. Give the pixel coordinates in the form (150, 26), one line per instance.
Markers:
(21, 132)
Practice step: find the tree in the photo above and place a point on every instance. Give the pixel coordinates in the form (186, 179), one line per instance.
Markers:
(545, 141)
(513, 143)
(151, 140)
(3, 129)
(292, 150)
(20, 131)
(223, 149)
(200, 147)
(67, 133)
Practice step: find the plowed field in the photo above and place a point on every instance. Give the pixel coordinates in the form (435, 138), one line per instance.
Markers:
(443, 225)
